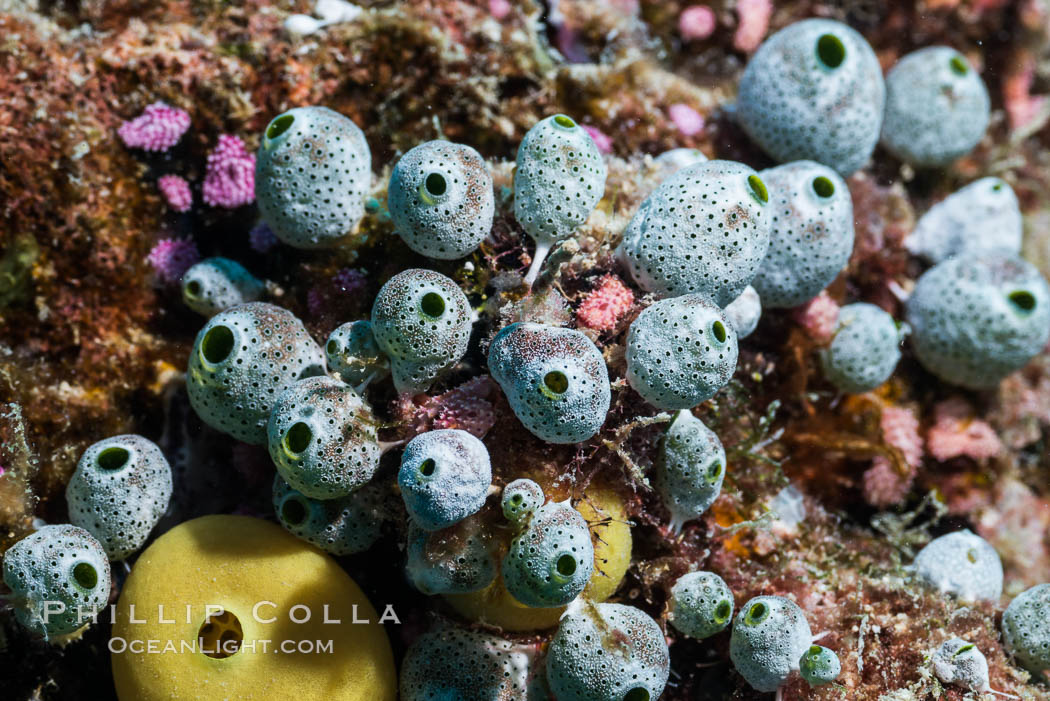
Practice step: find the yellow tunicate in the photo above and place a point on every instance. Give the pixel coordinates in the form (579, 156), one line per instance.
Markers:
(257, 580)
(605, 512)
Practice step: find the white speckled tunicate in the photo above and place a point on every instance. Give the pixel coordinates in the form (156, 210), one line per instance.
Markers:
(812, 233)
(937, 107)
(441, 199)
(1026, 628)
(819, 666)
(550, 562)
(963, 565)
(959, 662)
(312, 176)
(701, 604)
(744, 312)
(607, 652)
(865, 349)
(705, 230)
(242, 359)
(59, 578)
(520, 500)
(322, 438)
(558, 180)
(354, 355)
(445, 476)
(454, 560)
(983, 217)
(690, 468)
(215, 284)
(814, 91)
(341, 526)
(555, 380)
(770, 635)
(977, 317)
(422, 321)
(680, 352)
(119, 491)
(452, 663)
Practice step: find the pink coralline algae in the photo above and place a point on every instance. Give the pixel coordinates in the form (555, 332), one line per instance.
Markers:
(158, 128)
(956, 432)
(261, 238)
(466, 407)
(818, 317)
(171, 258)
(499, 8)
(230, 177)
(176, 191)
(696, 22)
(605, 305)
(754, 18)
(600, 138)
(686, 119)
(884, 485)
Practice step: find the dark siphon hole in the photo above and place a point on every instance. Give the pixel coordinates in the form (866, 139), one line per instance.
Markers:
(293, 511)
(637, 694)
(1023, 300)
(297, 439)
(436, 185)
(193, 288)
(719, 331)
(279, 125)
(566, 565)
(823, 187)
(556, 381)
(113, 458)
(85, 575)
(427, 467)
(432, 304)
(217, 344)
(831, 51)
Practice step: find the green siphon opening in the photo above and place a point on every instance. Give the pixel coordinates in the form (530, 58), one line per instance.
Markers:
(217, 344)
(279, 125)
(556, 381)
(958, 65)
(718, 329)
(85, 575)
(830, 50)
(714, 472)
(722, 611)
(297, 438)
(427, 467)
(1023, 300)
(566, 565)
(756, 614)
(565, 122)
(637, 694)
(435, 184)
(193, 288)
(332, 348)
(113, 458)
(758, 188)
(432, 304)
(823, 187)
(293, 511)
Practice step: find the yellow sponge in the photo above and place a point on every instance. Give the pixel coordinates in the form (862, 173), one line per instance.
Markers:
(263, 579)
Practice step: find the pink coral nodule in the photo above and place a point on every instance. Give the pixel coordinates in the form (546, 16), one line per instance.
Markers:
(605, 305)
(697, 22)
(229, 180)
(176, 191)
(158, 128)
(686, 119)
(171, 258)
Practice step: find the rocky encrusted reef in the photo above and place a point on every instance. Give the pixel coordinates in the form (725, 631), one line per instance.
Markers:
(826, 497)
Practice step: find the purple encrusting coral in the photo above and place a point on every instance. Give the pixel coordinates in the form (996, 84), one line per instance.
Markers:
(171, 258)
(176, 191)
(158, 128)
(261, 238)
(230, 177)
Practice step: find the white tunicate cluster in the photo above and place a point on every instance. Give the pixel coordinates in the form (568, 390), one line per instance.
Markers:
(770, 636)
(119, 491)
(962, 564)
(215, 284)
